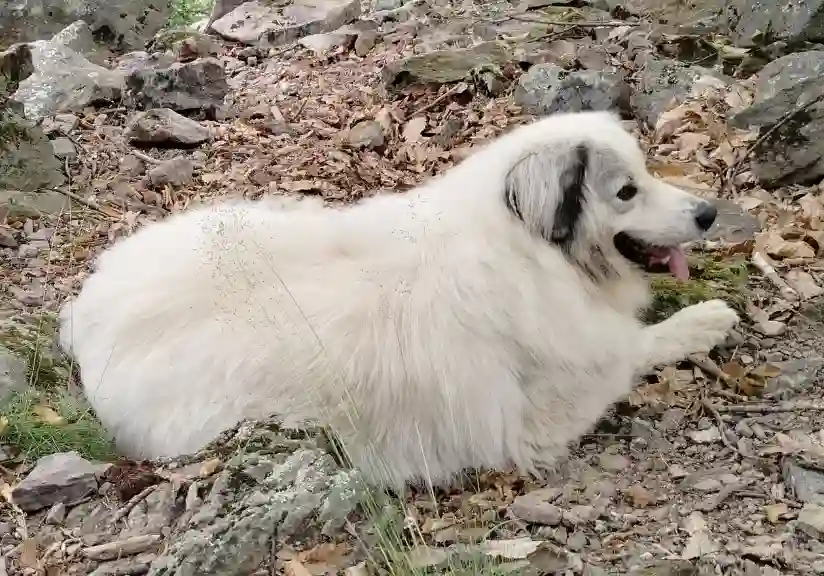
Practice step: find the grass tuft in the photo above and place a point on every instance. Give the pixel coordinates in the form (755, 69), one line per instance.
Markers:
(187, 12)
(69, 423)
(710, 277)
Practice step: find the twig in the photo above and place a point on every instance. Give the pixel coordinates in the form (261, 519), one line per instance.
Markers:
(142, 156)
(438, 100)
(85, 202)
(612, 24)
(722, 427)
(770, 408)
(711, 368)
(763, 265)
(124, 510)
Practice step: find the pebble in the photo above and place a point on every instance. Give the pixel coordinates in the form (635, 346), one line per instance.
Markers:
(708, 436)
(56, 514)
(613, 462)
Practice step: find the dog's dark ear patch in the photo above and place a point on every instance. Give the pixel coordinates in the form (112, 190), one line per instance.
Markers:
(571, 205)
(511, 199)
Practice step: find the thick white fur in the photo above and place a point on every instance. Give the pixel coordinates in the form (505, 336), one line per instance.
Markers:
(433, 330)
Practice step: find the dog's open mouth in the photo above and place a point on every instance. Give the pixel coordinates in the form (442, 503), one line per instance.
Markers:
(671, 259)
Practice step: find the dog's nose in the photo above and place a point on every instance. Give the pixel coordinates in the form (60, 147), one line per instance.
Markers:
(705, 215)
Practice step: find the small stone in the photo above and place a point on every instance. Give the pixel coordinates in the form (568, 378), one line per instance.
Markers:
(13, 373)
(177, 171)
(672, 419)
(366, 134)
(744, 429)
(613, 462)
(531, 509)
(7, 239)
(132, 166)
(64, 149)
(577, 541)
(811, 520)
(62, 477)
(708, 436)
(640, 496)
(365, 41)
(162, 126)
(707, 485)
(676, 471)
(56, 514)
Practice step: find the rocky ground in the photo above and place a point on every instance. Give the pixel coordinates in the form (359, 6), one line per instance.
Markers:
(713, 466)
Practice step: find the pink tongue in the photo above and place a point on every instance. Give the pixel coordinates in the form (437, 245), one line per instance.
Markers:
(678, 264)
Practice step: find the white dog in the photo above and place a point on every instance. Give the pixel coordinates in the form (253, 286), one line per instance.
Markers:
(485, 319)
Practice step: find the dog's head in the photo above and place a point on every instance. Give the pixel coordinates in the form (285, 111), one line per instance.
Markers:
(581, 183)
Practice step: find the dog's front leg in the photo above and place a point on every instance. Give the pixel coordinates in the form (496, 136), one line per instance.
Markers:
(694, 329)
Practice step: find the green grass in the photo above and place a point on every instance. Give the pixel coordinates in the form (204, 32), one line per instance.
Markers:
(48, 375)
(710, 277)
(186, 12)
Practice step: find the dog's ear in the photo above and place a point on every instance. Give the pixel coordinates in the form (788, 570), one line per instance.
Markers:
(546, 190)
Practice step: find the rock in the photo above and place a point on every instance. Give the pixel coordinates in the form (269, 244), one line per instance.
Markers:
(613, 462)
(195, 46)
(19, 204)
(77, 37)
(64, 477)
(806, 484)
(732, 225)
(708, 436)
(176, 171)
(165, 127)
(660, 85)
(134, 61)
(65, 81)
(442, 66)
(13, 374)
(60, 124)
(366, 134)
(56, 514)
(794, 23)
(188, 86)
(64, 149)
(27, 161)
(793, 153)
(257, 23)
(547, 89)
(533, 509)
(219, 9)
(365, 41)
(323, 43)
(811, 520)
(121, 24)
(7, 239)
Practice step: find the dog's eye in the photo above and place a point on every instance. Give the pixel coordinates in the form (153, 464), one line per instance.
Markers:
(627, 192)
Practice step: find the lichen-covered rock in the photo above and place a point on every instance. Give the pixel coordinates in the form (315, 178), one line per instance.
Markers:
(660, 85)
(65, 81)
(447, 65)
(763, 21)
(260, 23)
(789, 90)
(183, 87)
(121, 24)
(547, 89)
(65, 477)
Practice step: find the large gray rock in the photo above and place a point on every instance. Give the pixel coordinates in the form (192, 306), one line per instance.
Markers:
(164, 127)
(448, 65)
(183, 87)
(76, 36)
(65, 477)
(660, 85)
(65, 81)
(547, 89)
(794, 153)
(259, 23)
(798, 21)
(121, 24)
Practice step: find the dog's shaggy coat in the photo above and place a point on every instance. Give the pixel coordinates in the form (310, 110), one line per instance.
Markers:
(487, 318)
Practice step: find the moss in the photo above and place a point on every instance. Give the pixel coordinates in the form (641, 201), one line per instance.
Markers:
(710, 278)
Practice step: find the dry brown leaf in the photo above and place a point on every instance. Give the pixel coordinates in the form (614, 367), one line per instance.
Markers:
(413, 129)
(29, 556)
(296, 568)
(734, 369)
(639, 495)
(209, 467)
(774, 511)
(48, 415)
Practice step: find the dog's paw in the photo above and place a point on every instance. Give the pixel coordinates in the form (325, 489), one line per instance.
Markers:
(705, 325)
